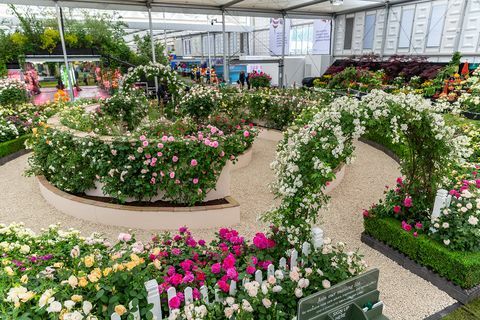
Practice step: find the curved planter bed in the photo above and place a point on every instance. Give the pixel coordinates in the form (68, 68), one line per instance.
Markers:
(471, 115)
(141, 217)
(222, 188)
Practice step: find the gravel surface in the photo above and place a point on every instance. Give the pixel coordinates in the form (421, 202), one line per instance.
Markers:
(406, 296)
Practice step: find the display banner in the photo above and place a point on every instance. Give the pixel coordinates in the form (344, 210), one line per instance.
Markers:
(275, 36)
(321, 36)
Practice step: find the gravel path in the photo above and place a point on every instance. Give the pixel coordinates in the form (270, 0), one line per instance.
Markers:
(406, 296)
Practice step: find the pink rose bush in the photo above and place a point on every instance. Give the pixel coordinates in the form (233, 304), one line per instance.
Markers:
(184, 162)
(61, 274)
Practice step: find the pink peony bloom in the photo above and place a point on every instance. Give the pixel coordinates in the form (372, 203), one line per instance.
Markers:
(176, 251)
(406, 226)
(229, 262)
(193, 163)
(250, 270)
(246, 133)
(172, 175)
(195, 180)
(397, 209)
(262, 242)
(223, 285)
(145, 143)
(232, 274)
(216, 267)
(174, 158)
(183, 229)
(174, 303)
(201, 242)
(407, 202)
(125, 237)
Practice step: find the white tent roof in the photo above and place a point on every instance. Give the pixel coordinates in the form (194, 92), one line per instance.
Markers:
(265, 8)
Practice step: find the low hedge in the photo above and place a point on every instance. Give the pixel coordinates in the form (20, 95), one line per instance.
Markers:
(12, 146)
(462, 268)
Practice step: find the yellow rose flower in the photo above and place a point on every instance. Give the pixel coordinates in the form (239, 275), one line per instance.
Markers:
(82, 282)
(9, 271)
(120, 309)
(89, 260)
(130, 265)
(107, 271)
(24, 279)
(77, 298)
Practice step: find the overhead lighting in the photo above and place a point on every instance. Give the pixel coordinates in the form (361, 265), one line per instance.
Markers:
(336, 2)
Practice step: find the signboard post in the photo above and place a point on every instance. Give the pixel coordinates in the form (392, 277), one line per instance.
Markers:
(353, 299)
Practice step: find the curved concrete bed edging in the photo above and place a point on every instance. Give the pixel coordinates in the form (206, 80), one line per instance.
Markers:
(149, 218)
(221, 191)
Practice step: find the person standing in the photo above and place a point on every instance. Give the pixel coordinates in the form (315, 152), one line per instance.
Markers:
(247, 79)
(242, 79)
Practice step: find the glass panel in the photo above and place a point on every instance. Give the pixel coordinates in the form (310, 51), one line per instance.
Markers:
(347, 41)
(369, 31)
(406, 26)
(435, 28)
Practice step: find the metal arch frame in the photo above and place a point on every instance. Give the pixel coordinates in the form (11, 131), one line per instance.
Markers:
(141, 5)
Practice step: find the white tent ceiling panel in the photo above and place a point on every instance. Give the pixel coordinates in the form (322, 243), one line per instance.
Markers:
(267, 8)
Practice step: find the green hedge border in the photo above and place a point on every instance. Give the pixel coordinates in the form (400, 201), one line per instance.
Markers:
(462, 268)
(12, 146)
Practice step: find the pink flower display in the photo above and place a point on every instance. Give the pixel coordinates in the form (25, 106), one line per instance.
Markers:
(397, 209)
(193, 163)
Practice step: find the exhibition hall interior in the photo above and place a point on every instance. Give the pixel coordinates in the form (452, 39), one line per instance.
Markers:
(240, 159)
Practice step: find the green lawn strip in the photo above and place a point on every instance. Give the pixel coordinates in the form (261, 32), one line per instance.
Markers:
(12, 146)
(470, 311)
(462, 268)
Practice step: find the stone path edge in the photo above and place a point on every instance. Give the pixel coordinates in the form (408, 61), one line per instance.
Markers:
(13, 156)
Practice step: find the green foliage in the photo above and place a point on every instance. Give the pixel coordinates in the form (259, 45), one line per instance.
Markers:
(50, 38)
(143, 54)
(128, 107)
(462, 268)
(200, 102)
(12, 146)
(470, 311)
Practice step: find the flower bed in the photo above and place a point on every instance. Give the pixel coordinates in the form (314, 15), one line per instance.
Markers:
(60, 274)
(462, 268)
(183, 167)
(126, 150)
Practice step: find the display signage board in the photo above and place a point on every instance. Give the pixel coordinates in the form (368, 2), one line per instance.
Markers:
(316, 305)
(276, 34)
(321, 36)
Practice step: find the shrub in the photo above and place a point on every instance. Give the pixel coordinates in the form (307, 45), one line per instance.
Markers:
(259, 80)
(200, 102)
(128, 107)
(462, 268)
(12, 91)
